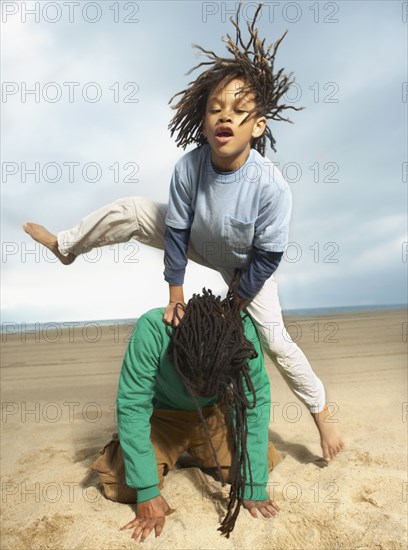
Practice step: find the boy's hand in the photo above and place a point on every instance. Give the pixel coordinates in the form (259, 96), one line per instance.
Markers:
(170, 316)
(149, 514)
(267, 508)
(331, 439)
(176, 306)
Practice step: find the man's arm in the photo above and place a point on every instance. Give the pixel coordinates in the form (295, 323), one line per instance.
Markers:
(258, 422)
(134, 408)
(268, 508)
(255, 496)
(149, 515)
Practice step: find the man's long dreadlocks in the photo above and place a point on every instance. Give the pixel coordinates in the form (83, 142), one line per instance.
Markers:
(251, 62)
(210, 352)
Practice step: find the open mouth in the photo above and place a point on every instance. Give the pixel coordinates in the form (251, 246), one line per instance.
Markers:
(223, 134)
(224, 131)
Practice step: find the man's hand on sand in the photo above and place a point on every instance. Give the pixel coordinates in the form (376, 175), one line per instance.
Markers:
(268, 508)
(331, 439)
(40, 234)
(149, 514)
(174, 312)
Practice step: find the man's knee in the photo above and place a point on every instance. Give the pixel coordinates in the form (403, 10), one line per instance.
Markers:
(162, 471)
(274, 457)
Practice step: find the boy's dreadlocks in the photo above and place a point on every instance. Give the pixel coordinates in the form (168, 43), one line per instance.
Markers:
(254, 65)
(210, 352)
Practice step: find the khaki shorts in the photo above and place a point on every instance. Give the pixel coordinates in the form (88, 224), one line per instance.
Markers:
(172, 433)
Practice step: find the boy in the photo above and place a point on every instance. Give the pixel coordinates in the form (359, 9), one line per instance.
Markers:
(229, 206)
(176, 394)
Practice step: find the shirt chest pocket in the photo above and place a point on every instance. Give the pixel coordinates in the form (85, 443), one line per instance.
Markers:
(239, 235)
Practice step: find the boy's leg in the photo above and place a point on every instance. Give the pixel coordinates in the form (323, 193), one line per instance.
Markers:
(128, 218)
(40, 234)
(266, 311)
(118, 222)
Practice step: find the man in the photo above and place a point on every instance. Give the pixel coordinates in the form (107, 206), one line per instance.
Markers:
(201, 388)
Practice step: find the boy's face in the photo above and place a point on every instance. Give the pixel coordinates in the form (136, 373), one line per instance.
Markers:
(228, 126)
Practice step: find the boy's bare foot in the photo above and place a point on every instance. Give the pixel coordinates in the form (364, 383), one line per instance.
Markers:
(331, 439)
(40, 234)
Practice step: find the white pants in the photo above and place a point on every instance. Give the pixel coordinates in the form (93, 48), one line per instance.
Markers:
(142, 219)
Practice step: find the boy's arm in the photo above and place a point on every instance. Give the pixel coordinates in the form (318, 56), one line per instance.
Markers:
(262, 266)
(175, 261)
(270, 239)
(178, 223)
(174, 311)
(175, 255)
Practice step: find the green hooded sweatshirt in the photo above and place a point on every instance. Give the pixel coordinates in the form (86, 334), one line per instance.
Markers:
(149, 380)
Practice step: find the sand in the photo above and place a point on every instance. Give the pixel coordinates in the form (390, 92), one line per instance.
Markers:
(58, 395)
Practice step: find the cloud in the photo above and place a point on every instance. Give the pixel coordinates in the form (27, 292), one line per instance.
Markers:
(363, 212)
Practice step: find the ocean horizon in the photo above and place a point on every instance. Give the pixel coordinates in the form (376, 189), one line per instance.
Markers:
(13, 327)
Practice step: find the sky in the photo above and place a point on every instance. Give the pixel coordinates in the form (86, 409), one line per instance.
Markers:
(85, 91)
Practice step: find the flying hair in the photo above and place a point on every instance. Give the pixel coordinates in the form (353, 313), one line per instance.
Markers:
(252, 62)
(210, 352)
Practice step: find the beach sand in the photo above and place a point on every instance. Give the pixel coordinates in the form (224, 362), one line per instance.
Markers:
(58, 396)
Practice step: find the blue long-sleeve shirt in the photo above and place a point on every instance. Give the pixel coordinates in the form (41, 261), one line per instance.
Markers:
(262, 265)
(238, 219)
